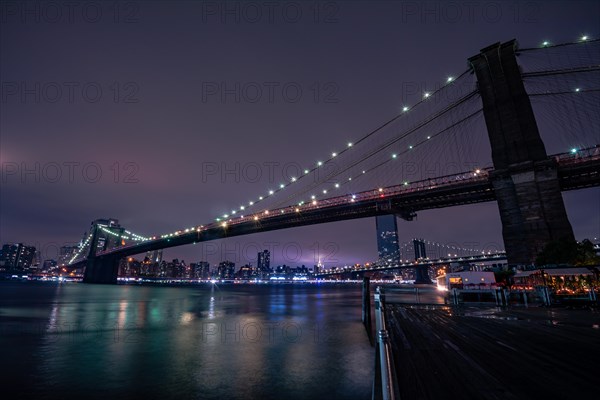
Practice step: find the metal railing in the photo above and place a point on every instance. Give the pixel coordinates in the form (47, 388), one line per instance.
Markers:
(385, 371)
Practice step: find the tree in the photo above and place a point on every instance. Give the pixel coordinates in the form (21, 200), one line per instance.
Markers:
(566, 251)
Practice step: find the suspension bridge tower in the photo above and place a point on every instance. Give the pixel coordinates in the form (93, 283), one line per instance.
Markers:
(525, 180)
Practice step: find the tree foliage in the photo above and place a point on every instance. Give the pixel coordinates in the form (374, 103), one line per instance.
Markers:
(565, 251)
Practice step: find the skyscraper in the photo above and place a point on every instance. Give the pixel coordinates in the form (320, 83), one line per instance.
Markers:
(387, 240)
(17, 256)
(154, 256)
(263, 264)
(226, 270)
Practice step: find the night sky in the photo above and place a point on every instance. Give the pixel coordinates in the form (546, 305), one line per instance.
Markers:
(131, 89)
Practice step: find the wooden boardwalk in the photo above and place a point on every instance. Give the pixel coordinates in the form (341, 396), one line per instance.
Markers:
(471, 353)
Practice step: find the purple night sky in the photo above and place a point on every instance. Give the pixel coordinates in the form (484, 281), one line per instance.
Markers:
(127, 88)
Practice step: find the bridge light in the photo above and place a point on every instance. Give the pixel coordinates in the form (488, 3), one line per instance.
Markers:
(405, 109)
(293, 179)
(314, 203)
(333, 154)
(224, 224)
(319, 163)
(306, 171)
(428, 137)
(313, 197)
(233, 211)
(250, 203)
(242, 208)
(282, 211)
(260, 198)
(426, 94)
(271, 192)
(349, 144)
(394, 156)
(353, 196)
(267, 212)
(281, 186)
(410, 147)
(577, 89)
(545, 44)
(337, 185)
(350, 178)
(255, 218)
(225, 216)
(324, 191)
(477, 171)
(364, 172)
(297, 209)
(450, 79)
(381, 189)
(405, 183)
(573, 150)
(584, 38)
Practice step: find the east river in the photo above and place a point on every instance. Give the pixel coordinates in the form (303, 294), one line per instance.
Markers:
(222, 341)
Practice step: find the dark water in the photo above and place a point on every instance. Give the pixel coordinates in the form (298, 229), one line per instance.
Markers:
(200, 342)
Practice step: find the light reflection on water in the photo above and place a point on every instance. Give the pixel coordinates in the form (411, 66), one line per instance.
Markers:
(227, 341)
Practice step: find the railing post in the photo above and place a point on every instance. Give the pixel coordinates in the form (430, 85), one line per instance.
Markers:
(366, 307)
(388, 372)
(384, 361)
(379, 298)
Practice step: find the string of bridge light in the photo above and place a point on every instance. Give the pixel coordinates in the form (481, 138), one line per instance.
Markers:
(353, 197)
(548, 44)
(81, 247)
(136, 236)
(132, 236)
(349, 145)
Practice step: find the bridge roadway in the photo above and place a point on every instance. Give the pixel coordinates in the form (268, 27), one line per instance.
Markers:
(575, 171)
(474, 353)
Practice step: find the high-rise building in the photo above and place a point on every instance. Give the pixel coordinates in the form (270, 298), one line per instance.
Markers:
(17, 256)
(202, 270)
(154, 256)
(387, 240)
(263, 264)
(226, 270)
(245, 272)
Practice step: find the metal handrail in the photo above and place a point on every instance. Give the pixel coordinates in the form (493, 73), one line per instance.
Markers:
(384, 357)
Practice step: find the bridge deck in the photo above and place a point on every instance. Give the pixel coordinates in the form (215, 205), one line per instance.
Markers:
(531, 353)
